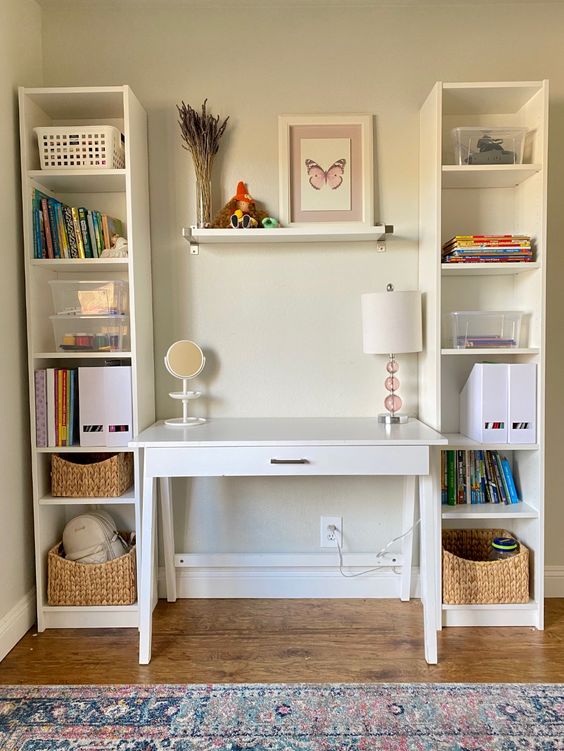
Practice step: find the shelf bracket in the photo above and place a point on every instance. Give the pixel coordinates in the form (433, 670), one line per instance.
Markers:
(381, 246)
(187, 235)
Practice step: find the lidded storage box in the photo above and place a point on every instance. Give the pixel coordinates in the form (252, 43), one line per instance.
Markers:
(488, 145)
(83, 146)
(90, 297)
(485, 328)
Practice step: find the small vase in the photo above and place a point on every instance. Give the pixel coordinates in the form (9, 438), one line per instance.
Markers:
(203, 202)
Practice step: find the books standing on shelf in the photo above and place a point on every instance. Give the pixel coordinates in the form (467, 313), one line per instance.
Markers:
(488, 249)
(471, 477)
(86, 406)
(61, 231)
(56, 407)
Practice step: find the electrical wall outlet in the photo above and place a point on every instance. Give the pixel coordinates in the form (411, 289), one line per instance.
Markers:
(328, 537)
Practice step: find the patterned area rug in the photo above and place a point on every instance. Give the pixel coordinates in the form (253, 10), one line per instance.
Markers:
(301, 717)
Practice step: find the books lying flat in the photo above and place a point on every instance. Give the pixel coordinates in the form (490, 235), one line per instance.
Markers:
(484, 248)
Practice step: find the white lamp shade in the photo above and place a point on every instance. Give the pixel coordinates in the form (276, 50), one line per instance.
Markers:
(391, 322)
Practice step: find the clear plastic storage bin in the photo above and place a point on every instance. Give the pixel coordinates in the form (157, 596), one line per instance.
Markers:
(90, 297)
(91, 333)
(488, 145)
(485, 329)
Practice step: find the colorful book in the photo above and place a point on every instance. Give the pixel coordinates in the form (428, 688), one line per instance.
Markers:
(82, 214)
(54, 227)
(40, 377)
(78, 232)
(51, 432)
(451, 481)
(513, 496)
(92, 234)
(71, 234)
(46, 227)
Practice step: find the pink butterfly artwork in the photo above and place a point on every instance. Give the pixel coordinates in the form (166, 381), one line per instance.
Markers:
(318, 177)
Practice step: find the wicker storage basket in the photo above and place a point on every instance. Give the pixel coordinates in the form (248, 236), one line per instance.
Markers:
(470, 579)
(91, 475)
(73, 583)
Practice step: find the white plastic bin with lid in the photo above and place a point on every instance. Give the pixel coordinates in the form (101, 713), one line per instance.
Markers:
(105, 298)
(91, 333)
(481, 329)
(488, 146)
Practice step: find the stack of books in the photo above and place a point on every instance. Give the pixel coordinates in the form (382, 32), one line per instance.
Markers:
(56, 407)
(488, 249)
(476, 477)
(61, 231)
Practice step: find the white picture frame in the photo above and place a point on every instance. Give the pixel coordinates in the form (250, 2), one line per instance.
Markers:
(308, 199)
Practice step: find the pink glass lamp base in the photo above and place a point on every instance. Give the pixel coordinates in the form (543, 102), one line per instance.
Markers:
(392, 402)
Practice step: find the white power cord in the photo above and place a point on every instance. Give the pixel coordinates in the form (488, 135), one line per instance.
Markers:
(335, 529)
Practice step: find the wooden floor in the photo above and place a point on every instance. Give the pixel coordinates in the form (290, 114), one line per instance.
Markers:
(269, 641)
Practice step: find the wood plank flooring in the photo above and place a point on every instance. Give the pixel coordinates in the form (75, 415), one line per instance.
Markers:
(286, 641)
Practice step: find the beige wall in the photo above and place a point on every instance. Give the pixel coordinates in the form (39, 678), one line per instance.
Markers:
(281, 325)
(20, 64)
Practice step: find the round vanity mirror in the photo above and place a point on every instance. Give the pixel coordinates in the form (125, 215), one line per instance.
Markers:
(184, 359)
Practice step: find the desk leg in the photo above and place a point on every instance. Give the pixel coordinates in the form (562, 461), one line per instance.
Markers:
(168, 538)
(428, 568)
(147, 560)
(407, 542)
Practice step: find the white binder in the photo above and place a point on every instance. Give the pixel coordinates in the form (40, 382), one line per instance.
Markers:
(484, 404)
(119, 414)
(522, 396)
(105, 408)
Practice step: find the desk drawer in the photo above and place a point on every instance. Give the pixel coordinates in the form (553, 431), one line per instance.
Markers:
(245, 461)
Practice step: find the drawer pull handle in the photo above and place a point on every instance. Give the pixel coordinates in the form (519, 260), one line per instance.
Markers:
(289, 461)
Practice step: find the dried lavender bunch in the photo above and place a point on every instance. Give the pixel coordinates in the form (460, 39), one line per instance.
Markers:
(201, 133)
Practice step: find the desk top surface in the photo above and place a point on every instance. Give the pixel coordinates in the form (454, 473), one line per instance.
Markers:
(289, 431)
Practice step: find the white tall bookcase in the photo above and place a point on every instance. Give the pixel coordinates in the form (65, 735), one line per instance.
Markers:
(498, 199)
(123, 193)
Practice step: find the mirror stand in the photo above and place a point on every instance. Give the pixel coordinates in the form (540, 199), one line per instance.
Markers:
(185, 396)
(185, 360)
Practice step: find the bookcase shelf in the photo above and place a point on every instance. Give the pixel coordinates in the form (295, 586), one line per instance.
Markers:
(81, 450)
(489, 176)
(81, 180)
(481, 200)
(81, 265)
(487, 269)
(51, 500)
(82, 356)
(489, 511)
(122, 193)
(489, 351)
(459, 441)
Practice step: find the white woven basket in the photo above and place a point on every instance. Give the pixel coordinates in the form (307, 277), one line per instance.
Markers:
(94, 146)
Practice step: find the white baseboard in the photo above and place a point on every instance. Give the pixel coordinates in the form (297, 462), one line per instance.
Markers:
(276, 575)
(554, 581)
(17, 622)
(315, 575)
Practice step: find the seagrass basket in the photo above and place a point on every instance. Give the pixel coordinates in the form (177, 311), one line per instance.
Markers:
(91, 475)
(470, 579)
(74, 583)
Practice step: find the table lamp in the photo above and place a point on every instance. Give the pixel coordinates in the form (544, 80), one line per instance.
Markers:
(391, 324)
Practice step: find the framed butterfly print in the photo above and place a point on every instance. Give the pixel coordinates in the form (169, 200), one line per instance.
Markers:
(326, 170)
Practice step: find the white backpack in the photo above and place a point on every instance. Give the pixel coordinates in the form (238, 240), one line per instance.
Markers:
(93, 538)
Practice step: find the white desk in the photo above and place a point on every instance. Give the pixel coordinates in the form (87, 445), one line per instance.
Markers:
(292, 447)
